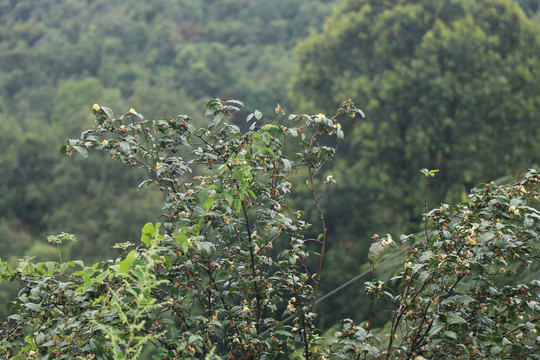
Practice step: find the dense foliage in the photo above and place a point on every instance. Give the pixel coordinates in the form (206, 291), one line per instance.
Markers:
(229, 278)
(446, 84)
(460, 297)
(215, 277)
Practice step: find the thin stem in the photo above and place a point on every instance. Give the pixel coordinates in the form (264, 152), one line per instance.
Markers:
(59, 253)
(323, 239)
(426, 207)
(370, 317)
(253, 270)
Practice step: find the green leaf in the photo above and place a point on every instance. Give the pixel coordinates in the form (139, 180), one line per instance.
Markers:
(426, 256)
(339, 134)
(147, 234)
(515, 202)
(63, 267)
(237, 205)
(3, 267)
(486, 237)
(102, 277)
(148, 229)
(39, 339)
(15, 317)
(181, 238)
(293, 132)
(87, 285)
(50, 265)
(205, 246)
(125, 264)
(229, 199)
(237, 102)
(146, 182)
(376, 251)
(168, 262)
(77, 262)
(208, 203)
(450, 334)
(267, 138)
(424, 275)
(456, 319)
(86, 272)
(33, 307)
(156, 234)
(81, 150)
(283, 333)
(125, 148)
(107, 112)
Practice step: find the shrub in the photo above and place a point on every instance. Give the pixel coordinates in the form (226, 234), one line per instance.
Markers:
(225, 274)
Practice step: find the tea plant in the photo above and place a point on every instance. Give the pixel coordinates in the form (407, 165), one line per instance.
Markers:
(459, 297)
(225, 273)
(215, 282)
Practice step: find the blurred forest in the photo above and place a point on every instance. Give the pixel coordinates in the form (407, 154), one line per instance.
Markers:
(449, 85)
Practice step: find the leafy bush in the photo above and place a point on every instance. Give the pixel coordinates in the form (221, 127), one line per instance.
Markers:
(215, 279)
(228, 276)
(458, 297)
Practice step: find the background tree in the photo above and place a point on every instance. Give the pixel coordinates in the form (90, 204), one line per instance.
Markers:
(449, 85)
(529, 6)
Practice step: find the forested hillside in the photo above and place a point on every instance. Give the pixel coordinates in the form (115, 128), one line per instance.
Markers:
(58, 58)
(445, 85)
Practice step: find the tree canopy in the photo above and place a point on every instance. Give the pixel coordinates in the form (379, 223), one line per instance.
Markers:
(448, 85)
